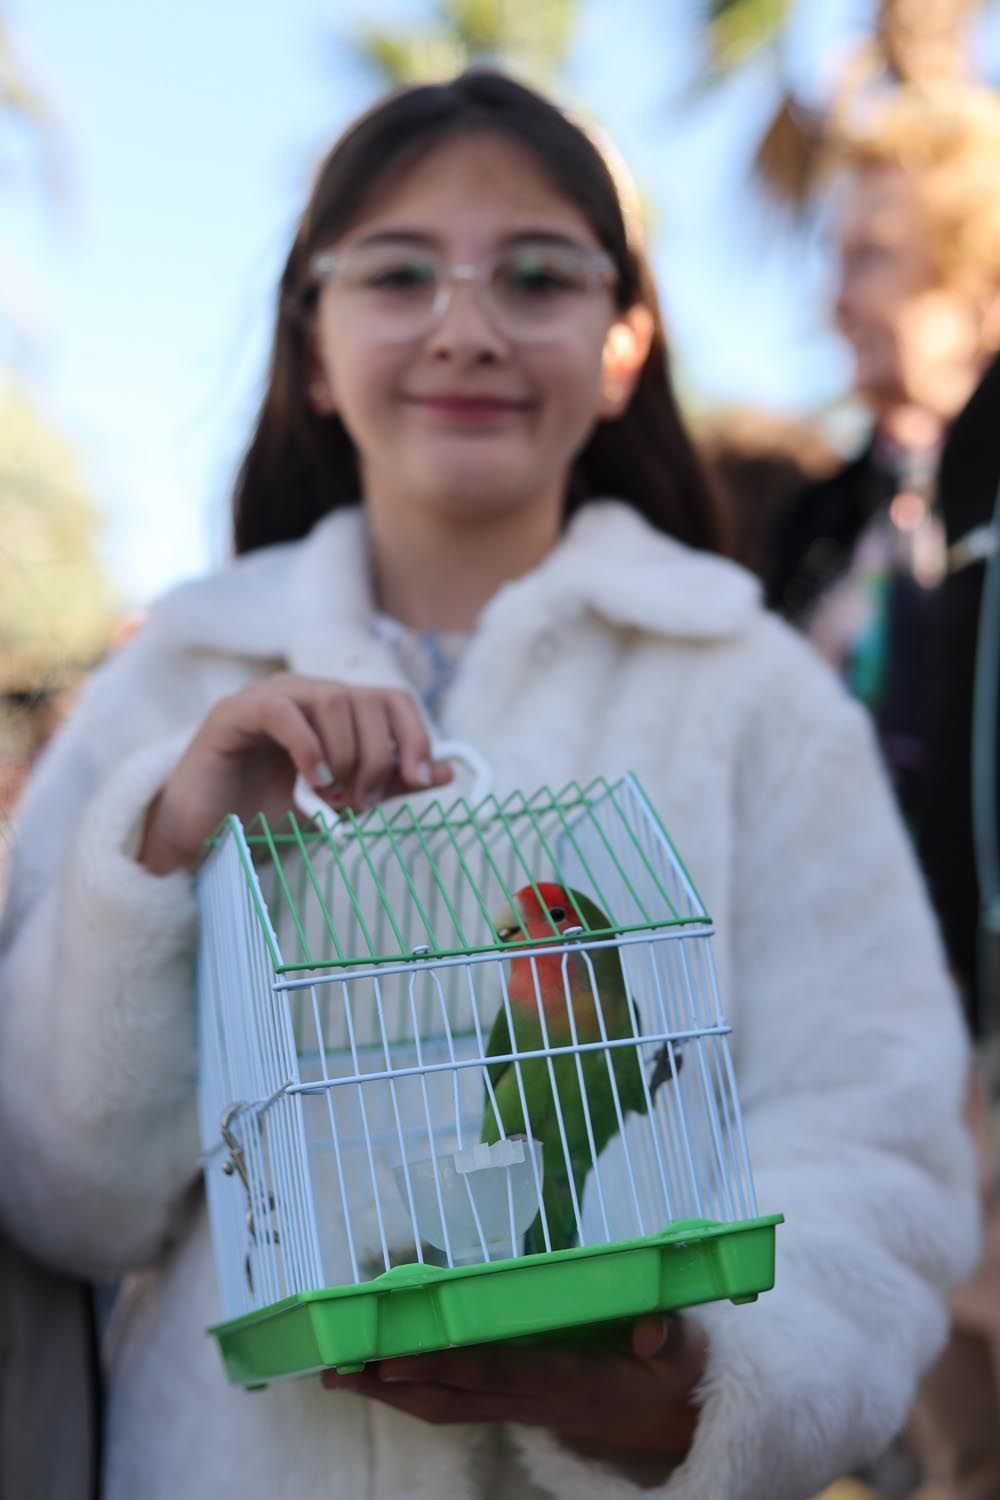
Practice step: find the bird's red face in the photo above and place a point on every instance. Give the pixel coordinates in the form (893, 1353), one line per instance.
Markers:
(531, 917)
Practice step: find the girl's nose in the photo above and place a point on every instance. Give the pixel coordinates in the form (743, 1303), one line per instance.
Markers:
(464, 330)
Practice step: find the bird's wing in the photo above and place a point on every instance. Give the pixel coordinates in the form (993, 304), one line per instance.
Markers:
(498, 1044)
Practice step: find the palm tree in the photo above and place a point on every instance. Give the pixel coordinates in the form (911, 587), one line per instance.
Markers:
(912, 42)
(529, 37)
(26, 113)
(56, 605)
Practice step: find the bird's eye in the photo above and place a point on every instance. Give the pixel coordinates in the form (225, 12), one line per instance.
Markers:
(557, 913)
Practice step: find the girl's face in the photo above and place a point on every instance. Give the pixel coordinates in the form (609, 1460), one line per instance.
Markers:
(463, 417)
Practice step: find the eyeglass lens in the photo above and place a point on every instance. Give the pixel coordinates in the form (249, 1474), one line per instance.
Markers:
(530, 291)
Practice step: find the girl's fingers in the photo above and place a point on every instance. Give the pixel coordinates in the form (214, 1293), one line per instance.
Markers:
(364, 742)
(377, 751)
(651, 1334)
(412, 741)
(284, 722)
(333, 717)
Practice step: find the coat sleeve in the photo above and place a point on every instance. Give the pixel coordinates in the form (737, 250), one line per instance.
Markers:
(97, 1025)
(851, 1059)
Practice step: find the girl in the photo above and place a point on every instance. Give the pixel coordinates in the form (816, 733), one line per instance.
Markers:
(469, 483)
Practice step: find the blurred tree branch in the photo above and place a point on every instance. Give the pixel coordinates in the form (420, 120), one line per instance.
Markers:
(735, 29)
(530, 37)
(56, 605)
(24, 109)
(912, 42)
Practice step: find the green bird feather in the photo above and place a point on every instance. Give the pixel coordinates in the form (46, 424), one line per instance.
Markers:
(536, 1114)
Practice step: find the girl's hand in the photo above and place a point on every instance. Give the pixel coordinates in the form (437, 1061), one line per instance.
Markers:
(632, 1408)
(355, 745)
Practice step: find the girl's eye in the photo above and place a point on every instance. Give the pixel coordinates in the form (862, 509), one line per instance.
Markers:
(406, 276)
(537, 278)
(557, 913)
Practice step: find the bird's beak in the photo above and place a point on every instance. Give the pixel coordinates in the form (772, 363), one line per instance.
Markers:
(508, 928)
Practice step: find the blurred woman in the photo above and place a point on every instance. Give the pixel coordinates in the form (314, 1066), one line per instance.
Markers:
(882, 566)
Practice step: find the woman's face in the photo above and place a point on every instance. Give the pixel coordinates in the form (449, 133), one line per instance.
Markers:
(464, 415)
(915, 339)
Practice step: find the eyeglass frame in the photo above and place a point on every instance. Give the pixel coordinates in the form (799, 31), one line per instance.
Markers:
(603, 273)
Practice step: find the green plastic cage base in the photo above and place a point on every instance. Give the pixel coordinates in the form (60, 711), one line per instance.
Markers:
(414, 1309)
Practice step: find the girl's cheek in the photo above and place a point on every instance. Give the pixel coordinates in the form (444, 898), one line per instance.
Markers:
(567, 375)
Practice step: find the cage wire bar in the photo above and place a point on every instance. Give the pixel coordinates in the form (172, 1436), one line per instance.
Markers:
(313, 880)
(349, 981)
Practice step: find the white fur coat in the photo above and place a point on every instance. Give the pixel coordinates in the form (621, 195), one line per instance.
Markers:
(622, 651)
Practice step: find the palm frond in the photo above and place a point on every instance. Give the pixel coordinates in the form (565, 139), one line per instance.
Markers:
(738, 28)
(530, 37)
(24, 106)
(786, 162)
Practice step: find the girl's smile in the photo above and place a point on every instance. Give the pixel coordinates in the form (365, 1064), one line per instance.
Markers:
(470, 410)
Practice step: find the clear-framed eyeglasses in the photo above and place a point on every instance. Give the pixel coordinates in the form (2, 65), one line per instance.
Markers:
(531, 292)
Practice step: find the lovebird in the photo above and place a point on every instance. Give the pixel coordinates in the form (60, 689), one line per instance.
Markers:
(528, 921)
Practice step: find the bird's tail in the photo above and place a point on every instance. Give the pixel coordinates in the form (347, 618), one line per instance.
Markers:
(666, 1065)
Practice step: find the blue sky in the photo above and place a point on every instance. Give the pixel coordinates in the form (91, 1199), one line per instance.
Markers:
(192, 129)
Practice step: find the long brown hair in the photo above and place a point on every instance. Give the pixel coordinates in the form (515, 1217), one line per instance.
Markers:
(300, 465)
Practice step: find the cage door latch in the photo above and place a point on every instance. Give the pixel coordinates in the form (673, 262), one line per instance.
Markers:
(236, 1165)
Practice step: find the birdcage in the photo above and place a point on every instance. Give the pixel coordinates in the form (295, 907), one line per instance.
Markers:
(385, 1125)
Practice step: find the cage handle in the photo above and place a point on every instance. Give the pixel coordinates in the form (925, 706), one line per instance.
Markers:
(312, 804)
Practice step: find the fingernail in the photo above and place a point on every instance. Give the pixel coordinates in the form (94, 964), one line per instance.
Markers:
(424, 773)
(322, 775)
(393, 1372)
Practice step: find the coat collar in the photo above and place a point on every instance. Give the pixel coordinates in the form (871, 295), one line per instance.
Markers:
(290, 601)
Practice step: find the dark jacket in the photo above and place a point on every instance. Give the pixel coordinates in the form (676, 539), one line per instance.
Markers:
(931, 651)
(967, 490)
(812, 547)
(814, 539)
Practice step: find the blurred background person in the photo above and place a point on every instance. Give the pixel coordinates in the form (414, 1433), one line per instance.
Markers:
(857, 559)
(881, 565)
(957, 1421)
(866, 561)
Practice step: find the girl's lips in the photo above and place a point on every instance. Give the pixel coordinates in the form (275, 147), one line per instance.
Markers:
(472, 408)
